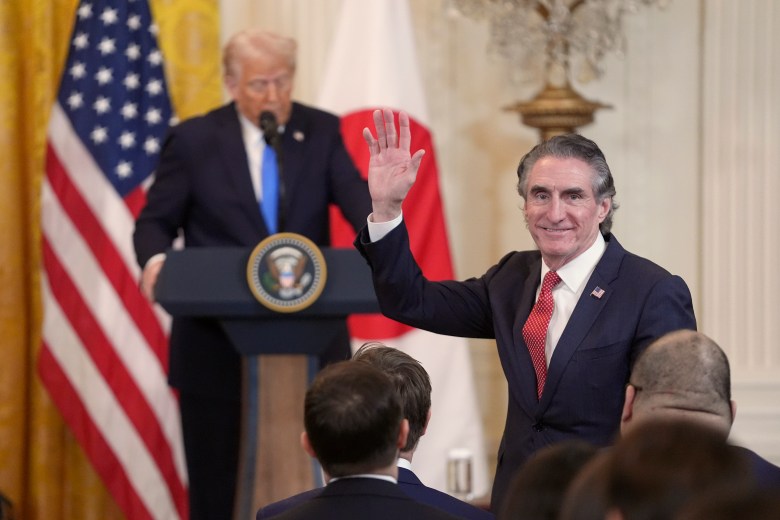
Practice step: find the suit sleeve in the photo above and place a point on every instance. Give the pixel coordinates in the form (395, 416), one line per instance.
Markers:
(669, 307)
(158, 223)
(405, 295)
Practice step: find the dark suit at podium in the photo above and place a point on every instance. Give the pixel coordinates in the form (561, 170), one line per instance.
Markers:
(203, 188)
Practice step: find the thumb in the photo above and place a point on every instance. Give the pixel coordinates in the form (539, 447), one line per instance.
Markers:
(417, 158)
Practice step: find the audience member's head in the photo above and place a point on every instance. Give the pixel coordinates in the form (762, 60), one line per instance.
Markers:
(682, 374)
(411, 382)
(586, 496)
(660, 465)
(734, 504)
(537, 489)
(353, 420)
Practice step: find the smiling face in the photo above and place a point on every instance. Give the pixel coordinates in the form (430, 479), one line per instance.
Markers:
(561, 209)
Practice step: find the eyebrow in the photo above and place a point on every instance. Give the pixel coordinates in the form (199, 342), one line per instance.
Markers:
(568, 191)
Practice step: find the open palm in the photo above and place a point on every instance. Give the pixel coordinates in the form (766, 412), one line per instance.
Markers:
(392, 169)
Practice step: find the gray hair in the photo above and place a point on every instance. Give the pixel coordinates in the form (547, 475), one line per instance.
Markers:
(252, 41)
(578, 147)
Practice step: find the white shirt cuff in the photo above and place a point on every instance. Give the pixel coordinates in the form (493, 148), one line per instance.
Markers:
(159, 257)
(378, 230)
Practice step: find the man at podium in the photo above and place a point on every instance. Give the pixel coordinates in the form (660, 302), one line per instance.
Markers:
(225, 181)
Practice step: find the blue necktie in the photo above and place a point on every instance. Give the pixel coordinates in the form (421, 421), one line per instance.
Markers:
(269, 206)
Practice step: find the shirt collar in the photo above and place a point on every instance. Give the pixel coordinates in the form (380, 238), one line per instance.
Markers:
(403, 463)
(249, 131)
(366, 475)
(576, 272)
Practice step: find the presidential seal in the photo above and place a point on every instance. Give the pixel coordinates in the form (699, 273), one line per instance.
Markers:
(286, 272)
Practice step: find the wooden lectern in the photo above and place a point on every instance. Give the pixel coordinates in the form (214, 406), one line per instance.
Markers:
(276, 347)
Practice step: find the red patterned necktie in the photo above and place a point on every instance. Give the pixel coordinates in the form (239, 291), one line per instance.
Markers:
(535, 329)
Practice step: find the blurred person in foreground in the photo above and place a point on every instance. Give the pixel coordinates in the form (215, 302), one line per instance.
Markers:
(537, 489)
(661, 465)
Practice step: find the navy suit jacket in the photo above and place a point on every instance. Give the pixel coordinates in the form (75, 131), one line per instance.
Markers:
(203, 187)
(766, 474)
(408, 483)
(362, 498)
(583, 393)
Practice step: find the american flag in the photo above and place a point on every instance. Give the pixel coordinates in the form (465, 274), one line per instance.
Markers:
(104, 352)
(598, 292)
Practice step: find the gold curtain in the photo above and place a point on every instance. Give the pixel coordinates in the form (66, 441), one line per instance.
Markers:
(42, 469)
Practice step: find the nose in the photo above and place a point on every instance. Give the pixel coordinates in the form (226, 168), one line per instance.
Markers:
(272, 94)
(555, 210)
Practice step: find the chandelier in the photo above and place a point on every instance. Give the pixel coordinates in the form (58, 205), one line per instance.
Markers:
(552, 38)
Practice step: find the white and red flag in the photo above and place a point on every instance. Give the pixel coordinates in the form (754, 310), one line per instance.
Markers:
(373, 64)
(104, 353)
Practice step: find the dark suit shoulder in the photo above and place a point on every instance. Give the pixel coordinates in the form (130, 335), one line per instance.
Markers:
(622, 261)
(363, 498)
(280, 506)
(766, 474)
(412, 486)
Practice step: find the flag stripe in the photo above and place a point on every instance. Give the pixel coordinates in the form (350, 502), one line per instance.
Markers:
(90, 181)
(102, 420)
(112, 265)
(113, 331)
(88, 435)
(113, 372)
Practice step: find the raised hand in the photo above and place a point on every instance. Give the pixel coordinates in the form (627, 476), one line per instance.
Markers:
(392, 169)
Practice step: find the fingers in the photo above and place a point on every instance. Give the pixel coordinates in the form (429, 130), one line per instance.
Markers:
(381, 130)
(391, 136)
(386, 135)
(405, 142)
(373, 145)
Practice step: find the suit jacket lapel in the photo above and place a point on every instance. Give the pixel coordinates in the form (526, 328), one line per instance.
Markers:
(584, 316)
(294, 142)
(230, 144)
(520, 358)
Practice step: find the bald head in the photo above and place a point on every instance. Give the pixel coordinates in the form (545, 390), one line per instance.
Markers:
(682, 374)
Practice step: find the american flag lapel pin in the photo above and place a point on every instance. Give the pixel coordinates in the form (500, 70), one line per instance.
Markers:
(598, 292)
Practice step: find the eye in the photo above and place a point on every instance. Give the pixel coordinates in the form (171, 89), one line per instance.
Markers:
(259, 85)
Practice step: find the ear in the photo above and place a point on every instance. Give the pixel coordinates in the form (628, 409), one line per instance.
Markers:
(733, 410)
(427, 420)
(231, 85)
(306, 445)
(628, 406)
(403, 433)
(604, 207)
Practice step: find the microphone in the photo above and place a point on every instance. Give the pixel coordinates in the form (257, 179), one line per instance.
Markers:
(270, 128)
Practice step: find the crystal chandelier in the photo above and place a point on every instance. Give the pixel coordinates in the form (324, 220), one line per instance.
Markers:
(552, 38)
